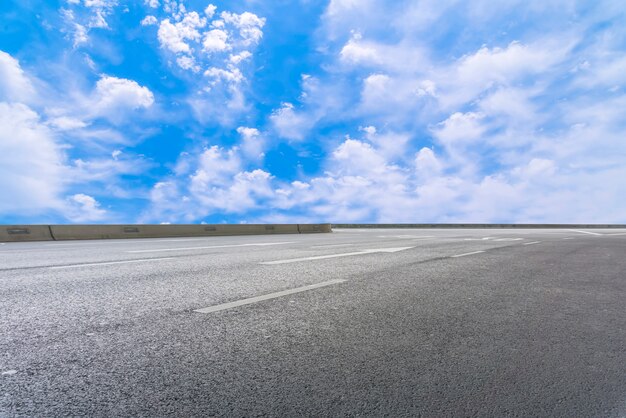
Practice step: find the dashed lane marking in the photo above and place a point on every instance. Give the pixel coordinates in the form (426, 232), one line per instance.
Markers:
(143, 260)
(269, 296)
(585, 232)
(322, 257)
(466, 254)
(332, 245)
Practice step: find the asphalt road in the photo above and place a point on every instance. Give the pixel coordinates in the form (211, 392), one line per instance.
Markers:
(358, 322)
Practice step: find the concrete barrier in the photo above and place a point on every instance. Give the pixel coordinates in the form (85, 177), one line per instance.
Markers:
(17, 233)
(78, 232)
(482, 226)
(314, 228)
(70, 232)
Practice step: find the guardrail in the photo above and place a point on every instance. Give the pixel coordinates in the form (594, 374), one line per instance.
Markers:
(14, 233)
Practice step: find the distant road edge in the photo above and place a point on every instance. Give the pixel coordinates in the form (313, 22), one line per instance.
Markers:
(481, 226)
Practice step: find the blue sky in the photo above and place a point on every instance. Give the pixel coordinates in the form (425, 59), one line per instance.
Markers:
(312, 111)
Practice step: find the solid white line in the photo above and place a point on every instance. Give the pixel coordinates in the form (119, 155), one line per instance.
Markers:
(531, 243)
(110, 262)
(275, 295)
(406, 236)
(332, 245)
(621, 233)
(569, 238)
(260, 244)
(322, 257)
(584, 232)
(463, 255)
(509, 239)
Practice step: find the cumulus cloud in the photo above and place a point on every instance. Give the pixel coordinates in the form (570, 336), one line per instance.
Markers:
(215, 40)
(113, 97)
(149, 21)
(252, 143)
(84, 208)
(206, 41)
(14, 84)
(173, 36)
(31, 163)
(290, 123)
(460, 128)
(213, 182)
(249, 26)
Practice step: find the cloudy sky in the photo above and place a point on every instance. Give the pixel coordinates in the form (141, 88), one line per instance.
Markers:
(302, 111)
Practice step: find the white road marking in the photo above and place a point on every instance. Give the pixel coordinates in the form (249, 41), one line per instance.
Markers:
(275, 295)
(621, 233)
(584, 232)
(9, 373)
(531, 243)
(509, 239)
(332, 245)
(463, 255)
(143, 260)
(478, 239)
(259, 244)
(569, 238)
(322, 257)
(406, 236)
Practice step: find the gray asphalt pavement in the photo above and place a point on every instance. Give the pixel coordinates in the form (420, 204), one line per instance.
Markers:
(395, 322)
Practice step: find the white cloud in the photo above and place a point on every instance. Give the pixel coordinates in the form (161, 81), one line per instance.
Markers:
(149, 21)
(84, 208)
(152, 3)
(236, 59)
(210, 11)
(14, 84)
(212, 182)
(173, 36)
(187, 63)
(32, 168)
(252, 143)
(81, 18)
(215, 40)
(358, 52)
(114, 95)
(232, 75)
(427, 165)
(291, 124)
(66, 123)
(460, 129)
(249, 26)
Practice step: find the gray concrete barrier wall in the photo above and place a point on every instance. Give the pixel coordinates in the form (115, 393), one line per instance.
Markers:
(10, 233)
(16, 233)
(312, 228)
(520, 226)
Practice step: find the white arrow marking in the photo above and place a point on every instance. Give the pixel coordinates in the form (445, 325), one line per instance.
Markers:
(322, 257)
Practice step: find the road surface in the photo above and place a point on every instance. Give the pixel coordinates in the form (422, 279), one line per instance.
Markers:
(395, 322)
